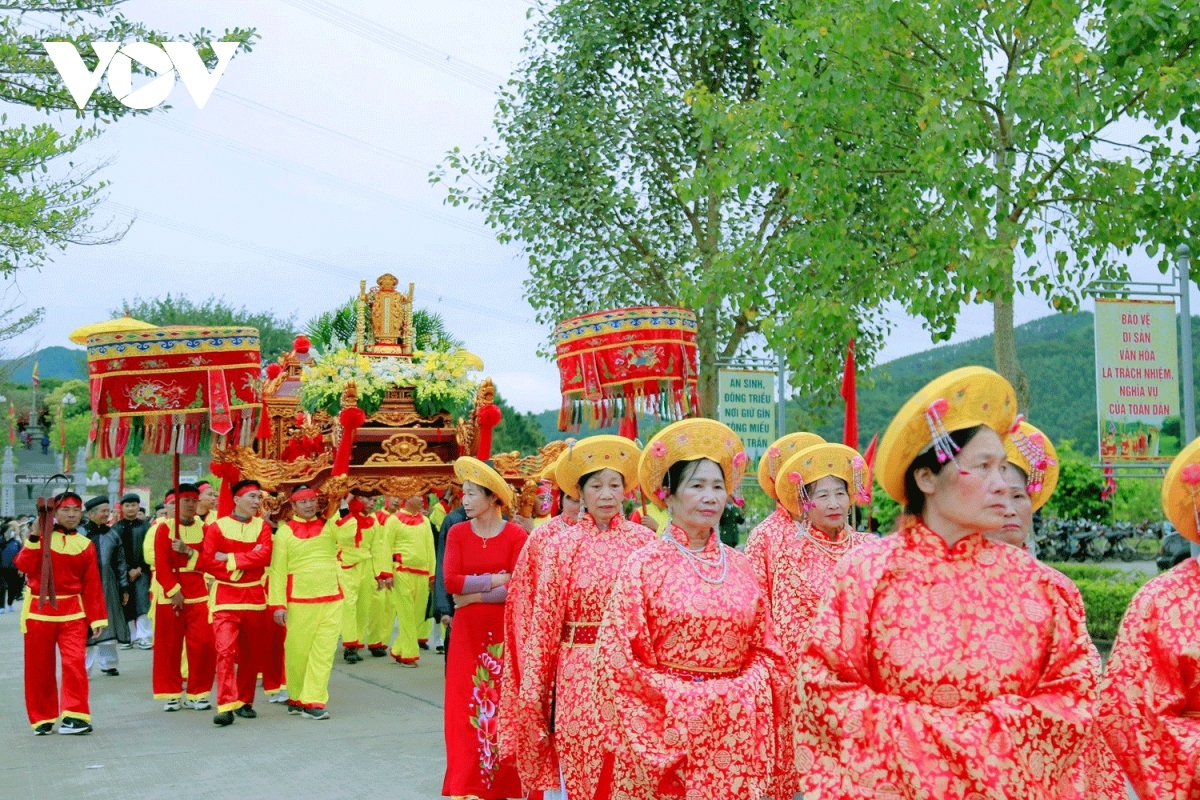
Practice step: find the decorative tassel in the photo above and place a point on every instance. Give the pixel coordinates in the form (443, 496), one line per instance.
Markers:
(942, 443)
(264, 423)
(229, 475)
(351, 419)
(1033, 449)
(861, 495)
(489, 416)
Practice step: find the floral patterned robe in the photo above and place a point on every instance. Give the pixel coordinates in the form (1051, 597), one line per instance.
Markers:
(1150, 700)
(794, 574)
(577, 571)
(691, 685)
(944, 672)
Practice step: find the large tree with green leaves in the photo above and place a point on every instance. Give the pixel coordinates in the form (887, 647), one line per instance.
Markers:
(276, 333)
(1011, 127)
(614, 168)
(48, 200)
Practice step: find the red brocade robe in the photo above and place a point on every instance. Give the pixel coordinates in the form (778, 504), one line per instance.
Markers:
(576, 575)
(794, 574)
(944, 672)
(1150, 700)
(692, 689)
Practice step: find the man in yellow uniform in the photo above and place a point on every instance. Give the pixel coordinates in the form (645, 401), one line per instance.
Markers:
(306, 598)
(407, 542)
(381, 618)
(355, 531)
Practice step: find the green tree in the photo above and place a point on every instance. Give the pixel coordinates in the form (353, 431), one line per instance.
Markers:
(1007, 123)
(611, 169)
(47, 200)
(516, 431)
(1079, 487)
(341, 323)
(275, 333)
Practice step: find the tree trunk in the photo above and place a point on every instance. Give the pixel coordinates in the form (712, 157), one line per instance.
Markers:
(1004, 346)
(706, 351)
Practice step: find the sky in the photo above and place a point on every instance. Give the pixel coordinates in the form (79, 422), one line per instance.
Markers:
(308, 170)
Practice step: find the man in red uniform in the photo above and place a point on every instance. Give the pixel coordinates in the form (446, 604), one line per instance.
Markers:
(237, 552)
(182, 613)
(59, 613)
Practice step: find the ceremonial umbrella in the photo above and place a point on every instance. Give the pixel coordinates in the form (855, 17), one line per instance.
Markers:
(614, 365)
(118, 325)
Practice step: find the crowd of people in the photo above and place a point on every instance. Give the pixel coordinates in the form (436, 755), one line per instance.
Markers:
(592, 653)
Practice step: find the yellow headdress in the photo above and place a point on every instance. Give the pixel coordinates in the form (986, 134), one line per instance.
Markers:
(1034, 453)
(779, 452)
(1179, 492)
(962, 398)
(688, 440)
(816, 462)
(596, 453)
(480, 474)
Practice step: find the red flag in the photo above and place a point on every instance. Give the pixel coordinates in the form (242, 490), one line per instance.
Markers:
(1110, 484)
(850, 395)
(869, 457)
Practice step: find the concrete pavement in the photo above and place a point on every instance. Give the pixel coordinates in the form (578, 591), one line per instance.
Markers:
(384, 738)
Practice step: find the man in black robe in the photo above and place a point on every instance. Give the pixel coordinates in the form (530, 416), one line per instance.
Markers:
(132, 531)
(114, 579)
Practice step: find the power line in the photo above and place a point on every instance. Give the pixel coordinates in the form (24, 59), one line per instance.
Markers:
(294, 259)
(319, 128)
(398, 42)
(260, 156)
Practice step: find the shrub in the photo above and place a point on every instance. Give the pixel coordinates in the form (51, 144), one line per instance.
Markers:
(1106, 593)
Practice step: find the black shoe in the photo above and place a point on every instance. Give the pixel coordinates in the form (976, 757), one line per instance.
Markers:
(223, 719)
(378, 652)
(44, 729)
(72, 725)
(294, 707)
(246, 712)
(441, 648)
(351, 656)
(111, 672)
(423, 645)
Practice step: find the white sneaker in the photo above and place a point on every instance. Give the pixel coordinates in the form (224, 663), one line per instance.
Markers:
(171, 705)
(144, 644)
(279, 697)
(198, 704)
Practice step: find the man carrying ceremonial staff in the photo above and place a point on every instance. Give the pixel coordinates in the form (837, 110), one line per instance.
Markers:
(63, 601)
(237, 552)
(305, 597)
(182, 613)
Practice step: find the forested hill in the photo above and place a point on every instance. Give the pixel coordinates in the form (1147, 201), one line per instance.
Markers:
(1057, 353)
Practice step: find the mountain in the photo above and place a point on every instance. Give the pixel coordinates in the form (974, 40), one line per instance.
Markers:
(53, 362)
(1056, 352)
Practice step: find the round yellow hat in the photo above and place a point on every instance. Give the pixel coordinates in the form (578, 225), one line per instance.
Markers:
(962, 398)
(547, 473)
(480, 474)
(1181, 492)
(820, 461)
(783, 449)
(688, 440)
(596, 453)
(1034, 453)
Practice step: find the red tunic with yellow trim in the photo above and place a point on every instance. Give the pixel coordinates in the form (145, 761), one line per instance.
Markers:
(1150, 699)
(522, 587)
(690, 683)
(178, 572)
(304, 566)
(76, 580)
(938, 671)
(238, 582)
(576, 575)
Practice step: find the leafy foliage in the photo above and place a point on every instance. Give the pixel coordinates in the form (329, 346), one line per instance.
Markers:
(1106, 594)
(614, 169)
(516, 431)
(341, 324)
(1079, 487)
(275, 333)
(47, 200)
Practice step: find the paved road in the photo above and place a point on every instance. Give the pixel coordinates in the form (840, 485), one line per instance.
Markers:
(384, 739)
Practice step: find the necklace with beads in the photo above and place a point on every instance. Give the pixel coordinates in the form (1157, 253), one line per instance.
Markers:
(833, 550)
(696, 561)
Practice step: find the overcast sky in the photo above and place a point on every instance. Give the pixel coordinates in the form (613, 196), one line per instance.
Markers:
(307, 171)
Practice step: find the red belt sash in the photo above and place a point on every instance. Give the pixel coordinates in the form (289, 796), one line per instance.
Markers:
(698, 674)
(580, 634)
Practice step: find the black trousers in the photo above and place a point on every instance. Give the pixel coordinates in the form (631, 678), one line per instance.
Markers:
(11, 584)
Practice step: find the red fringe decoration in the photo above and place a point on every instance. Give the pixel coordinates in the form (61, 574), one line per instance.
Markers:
(229, 475)
(351, 419)
(489, 417)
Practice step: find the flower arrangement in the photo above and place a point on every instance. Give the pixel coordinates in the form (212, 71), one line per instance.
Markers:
(440, 380)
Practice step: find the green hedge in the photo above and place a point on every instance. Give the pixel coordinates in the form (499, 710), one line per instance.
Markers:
(1106, 594)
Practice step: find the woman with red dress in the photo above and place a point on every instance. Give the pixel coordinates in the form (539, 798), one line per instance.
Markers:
(690, 686)
(1150, 700)
(943, 664)
(815, 487)
(479, 558)
(558, 742)
(780, 521)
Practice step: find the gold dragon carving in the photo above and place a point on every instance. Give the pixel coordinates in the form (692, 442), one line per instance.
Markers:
(404, 448)
(269, 472)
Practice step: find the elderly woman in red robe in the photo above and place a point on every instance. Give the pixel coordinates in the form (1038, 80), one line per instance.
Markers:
(943, 664)
(780, 521)
(1032, 477)
(559, 739)
(691, 687)
(815, 487)
(1150, 699)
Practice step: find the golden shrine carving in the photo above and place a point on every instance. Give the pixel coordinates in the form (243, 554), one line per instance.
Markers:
(404, 448)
